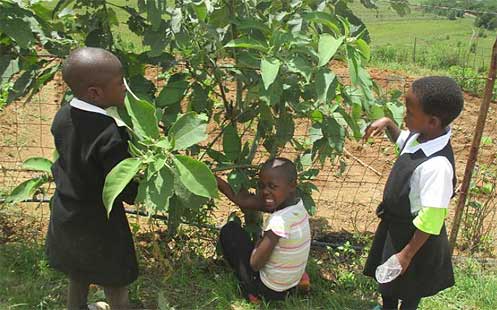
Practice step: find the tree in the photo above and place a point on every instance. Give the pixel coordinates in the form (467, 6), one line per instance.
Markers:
(254, 68)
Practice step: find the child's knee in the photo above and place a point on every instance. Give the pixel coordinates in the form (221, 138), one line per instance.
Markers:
(228, 231)
(230, 227)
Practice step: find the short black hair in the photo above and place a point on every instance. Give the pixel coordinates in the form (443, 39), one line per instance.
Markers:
(286, 166)
(439, 96)
(89, 66)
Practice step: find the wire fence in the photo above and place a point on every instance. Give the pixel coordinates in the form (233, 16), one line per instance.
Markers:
(350, 186)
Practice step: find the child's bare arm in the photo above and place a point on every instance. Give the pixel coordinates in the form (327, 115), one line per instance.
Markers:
(378, 126)
(405, 256)
(243, 199)
(262, 252)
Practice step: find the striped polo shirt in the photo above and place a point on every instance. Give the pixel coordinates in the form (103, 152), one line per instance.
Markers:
(289, 257)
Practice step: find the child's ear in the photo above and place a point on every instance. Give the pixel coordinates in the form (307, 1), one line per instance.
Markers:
(436, 122)
(95, 92)
(293, 185)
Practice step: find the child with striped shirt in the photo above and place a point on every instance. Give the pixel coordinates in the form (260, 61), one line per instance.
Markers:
(273, 267)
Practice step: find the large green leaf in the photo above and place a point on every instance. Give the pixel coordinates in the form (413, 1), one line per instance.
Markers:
(184, 198)
(285, 128)
(38, 164)
(396, 112)
(300, 65)
(117, 179)
(323, 18)
(143, 117)
(269, 70)
(232, 144)
(350, 20)
(23, 84)
(19, 30)
(158, 190)
(351, 122)
(376, 111)
(315, 133)
(220, 17)
(327, 47)
(142, 87)
(246, 43)
(200, 10)
(25, 190)
(153, 14)
(188, 130)
(354, 63)
(334, 133)
(196, 176)
(174, 91)
(238, 179)
(364, 49)
(199, 99)
(252, 23)
(9, 65)
(325, 84)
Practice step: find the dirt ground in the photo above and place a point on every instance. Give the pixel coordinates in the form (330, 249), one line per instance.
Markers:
(345, 202)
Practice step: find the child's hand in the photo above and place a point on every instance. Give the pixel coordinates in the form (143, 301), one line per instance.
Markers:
(404, 261)
(376, 128)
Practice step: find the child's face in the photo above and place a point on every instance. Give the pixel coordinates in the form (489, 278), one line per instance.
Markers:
(111, 93)
(416, 119)
(115, 91)
(275, 188)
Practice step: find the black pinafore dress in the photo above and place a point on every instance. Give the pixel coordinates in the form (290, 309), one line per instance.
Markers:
(430, 270)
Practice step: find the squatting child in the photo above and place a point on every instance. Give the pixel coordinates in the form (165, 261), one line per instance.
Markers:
(273, 267)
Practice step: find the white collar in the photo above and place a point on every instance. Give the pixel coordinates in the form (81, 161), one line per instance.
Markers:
(429, 147)
(85, 106)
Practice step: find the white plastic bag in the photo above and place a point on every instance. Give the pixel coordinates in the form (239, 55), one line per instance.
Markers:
(389, 271)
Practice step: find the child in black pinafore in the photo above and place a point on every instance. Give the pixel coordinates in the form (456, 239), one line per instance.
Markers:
(417, 195)
(81, 241)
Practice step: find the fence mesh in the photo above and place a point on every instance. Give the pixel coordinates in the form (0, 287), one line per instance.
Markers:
(350, 186)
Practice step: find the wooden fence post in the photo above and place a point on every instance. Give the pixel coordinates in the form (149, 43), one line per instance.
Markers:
(475, 145)
(414, 52)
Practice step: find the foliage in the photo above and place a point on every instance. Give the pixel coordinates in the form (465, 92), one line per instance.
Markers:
(457, 9)
(253, 69)
(477, 234)
(4, 93)
(39, 184)
(470, 80)
(436, 56)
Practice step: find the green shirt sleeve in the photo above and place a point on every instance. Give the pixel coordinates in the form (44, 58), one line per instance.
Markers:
(430, 220)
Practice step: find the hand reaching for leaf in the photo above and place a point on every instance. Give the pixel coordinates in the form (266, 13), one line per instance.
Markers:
(243, 198)
(380, 125)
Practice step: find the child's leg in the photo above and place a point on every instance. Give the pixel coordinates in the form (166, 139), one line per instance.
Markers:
(117, 297)
(237, 249)
(390, 303)
(77, 295)
(410, 304)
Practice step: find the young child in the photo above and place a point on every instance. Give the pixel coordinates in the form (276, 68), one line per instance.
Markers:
(276, 264)
(81, 241)
(417, 195)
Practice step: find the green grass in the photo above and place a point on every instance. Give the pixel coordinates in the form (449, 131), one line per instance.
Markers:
(193, 277)
(440, 43)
